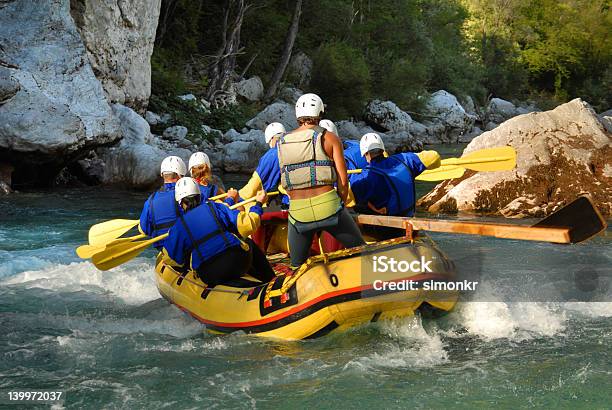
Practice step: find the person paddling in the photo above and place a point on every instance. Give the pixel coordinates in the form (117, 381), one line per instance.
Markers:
(386, 186)
(208, 237)
(200, 170)
(160, 210)
(311, 161)
(266, 175)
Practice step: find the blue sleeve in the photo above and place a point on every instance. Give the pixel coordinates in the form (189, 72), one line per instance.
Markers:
(175, 244)
(145, 218)
(360, 187)
(268, 170)
(230, 201)
(413, 162)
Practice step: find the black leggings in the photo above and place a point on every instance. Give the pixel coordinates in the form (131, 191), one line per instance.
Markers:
(235, 262)
(341, 226)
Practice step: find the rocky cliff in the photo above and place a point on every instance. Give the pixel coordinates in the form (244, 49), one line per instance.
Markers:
(119, 37)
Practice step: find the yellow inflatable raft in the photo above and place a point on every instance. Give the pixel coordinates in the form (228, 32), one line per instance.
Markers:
(330, 292)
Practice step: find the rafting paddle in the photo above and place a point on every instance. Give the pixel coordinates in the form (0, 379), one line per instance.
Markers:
(574, 223)
(87, 251)
(488, 159)
(120, 251)
(104, 232)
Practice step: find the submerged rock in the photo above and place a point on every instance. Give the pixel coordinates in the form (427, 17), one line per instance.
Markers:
(561, 154)
(53, 108)
(119, 38)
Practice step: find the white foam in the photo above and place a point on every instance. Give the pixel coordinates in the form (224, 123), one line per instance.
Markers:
(412, 347)
(590, 309)
(132, 282)
(518, 321)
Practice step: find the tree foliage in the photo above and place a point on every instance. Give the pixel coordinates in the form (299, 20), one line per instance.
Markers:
(404, 49)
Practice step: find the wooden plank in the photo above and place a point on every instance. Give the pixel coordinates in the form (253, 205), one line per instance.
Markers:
(507, 231)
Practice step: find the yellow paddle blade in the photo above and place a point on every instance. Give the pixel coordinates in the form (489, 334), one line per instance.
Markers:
(488, 159)
(102, 233)
(87, 251)
(441, 173)
(120, 253)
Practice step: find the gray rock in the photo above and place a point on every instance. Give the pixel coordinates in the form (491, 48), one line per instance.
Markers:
(136, 159)
(175, 133)
(348, 130)
(290, 95)
(491, 126)
(500, 110)
(300, 69)
(8, 85)
(469, 106)
(152, 118)
(188, 97)
(212, 132)
(275, 112)
(59, 110)
(470, 135)
(401, 141)
(387, 115)
(119, 37)
(449, 119)
(251, 89)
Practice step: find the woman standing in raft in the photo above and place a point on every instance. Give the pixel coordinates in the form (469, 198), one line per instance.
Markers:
(311, 161)
(201, 170)
(208, 237)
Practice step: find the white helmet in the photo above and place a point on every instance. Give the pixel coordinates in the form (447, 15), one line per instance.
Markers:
(186, 187)
(329, 126)
(198, 158)
(274, 129)
(173, 164)
(370, 142)
(309, 105)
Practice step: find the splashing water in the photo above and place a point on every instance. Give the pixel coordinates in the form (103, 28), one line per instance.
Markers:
(109, 341)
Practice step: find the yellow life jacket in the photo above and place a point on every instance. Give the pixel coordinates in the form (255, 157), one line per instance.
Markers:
(303, 161)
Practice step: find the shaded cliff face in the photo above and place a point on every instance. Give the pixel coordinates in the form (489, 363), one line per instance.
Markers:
(52, 107)
(561, 154)
(57, 78)
(119, 37)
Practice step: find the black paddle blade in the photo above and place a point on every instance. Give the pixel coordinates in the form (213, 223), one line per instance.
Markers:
(581, 216)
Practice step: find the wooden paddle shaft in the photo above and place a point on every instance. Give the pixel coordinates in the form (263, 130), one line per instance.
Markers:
(507, 231)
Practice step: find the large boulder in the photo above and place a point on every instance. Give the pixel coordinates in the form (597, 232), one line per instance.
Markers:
(275, 112)
(561, 154)
(251, 89)
(386, 116)
(53, 108)
(135, 161)
(448, 121)
(242, 152)
(119, 37)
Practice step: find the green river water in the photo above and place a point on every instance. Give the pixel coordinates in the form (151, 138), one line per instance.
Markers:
(109, 341)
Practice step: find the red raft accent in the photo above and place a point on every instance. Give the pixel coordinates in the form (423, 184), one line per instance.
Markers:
(270, 220)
